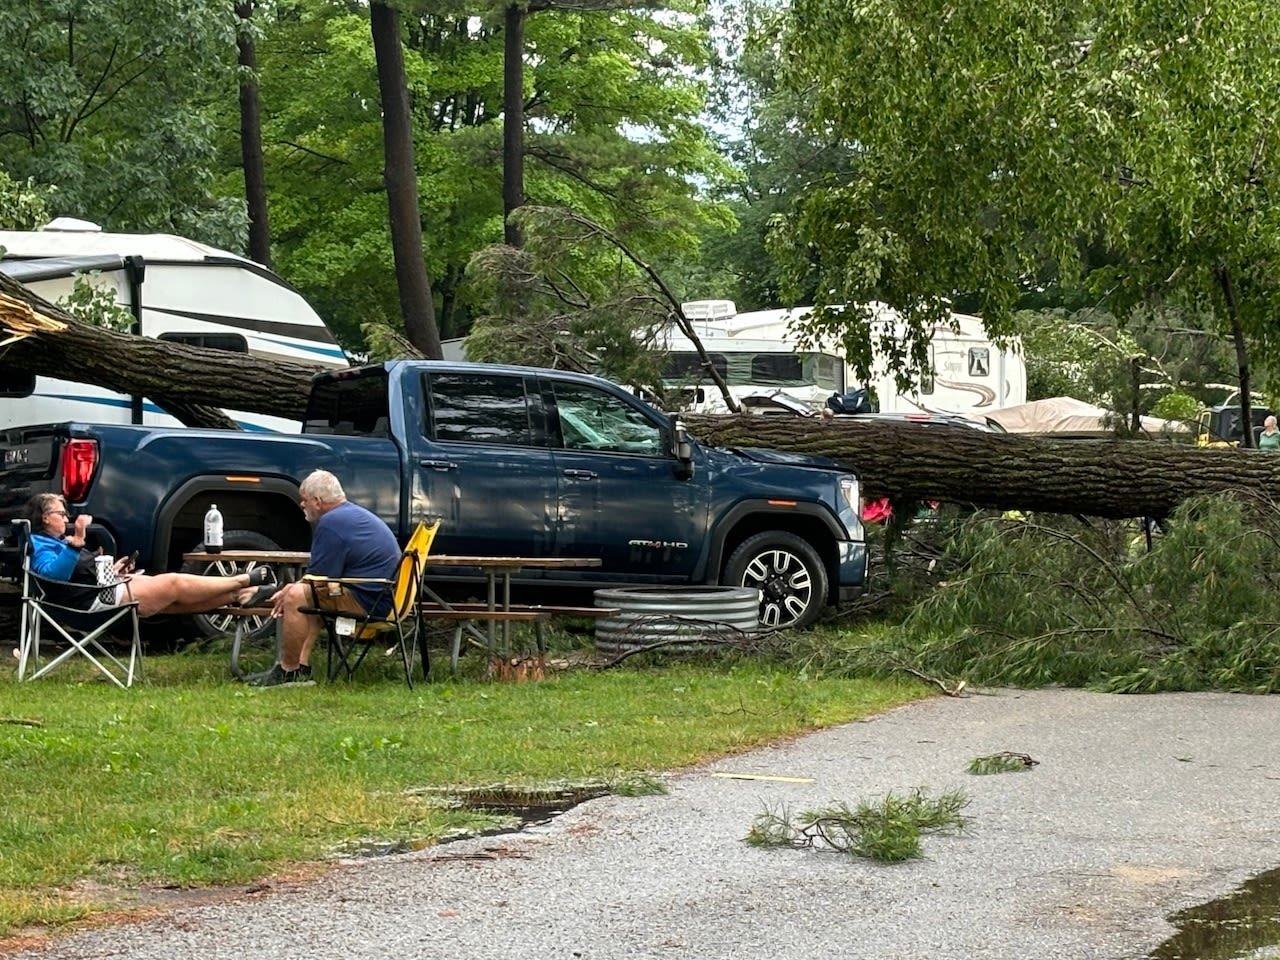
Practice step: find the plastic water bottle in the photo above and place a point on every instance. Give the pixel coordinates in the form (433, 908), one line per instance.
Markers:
(213, 530)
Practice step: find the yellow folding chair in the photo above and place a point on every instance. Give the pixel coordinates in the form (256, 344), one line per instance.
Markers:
(351, 635)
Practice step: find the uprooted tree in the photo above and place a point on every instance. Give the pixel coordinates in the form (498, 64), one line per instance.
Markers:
(1122, 478)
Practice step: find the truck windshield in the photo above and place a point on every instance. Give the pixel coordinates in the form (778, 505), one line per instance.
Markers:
(350, 404)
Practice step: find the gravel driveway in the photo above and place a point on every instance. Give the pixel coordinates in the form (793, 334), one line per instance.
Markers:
(1139, 806)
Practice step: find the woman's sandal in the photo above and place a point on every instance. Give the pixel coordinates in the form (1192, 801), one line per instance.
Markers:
(260, 596)
(261, 575)
(264, 578)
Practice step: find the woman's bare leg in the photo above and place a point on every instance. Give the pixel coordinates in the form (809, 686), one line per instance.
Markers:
(184, 592)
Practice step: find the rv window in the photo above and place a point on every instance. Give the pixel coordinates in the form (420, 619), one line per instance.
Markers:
(353, 406)
(479, 408)
(979, 362)
(926, 375)
(830, 372)
(16, 383)
(777, 368)
(688, 366)
(231, 342)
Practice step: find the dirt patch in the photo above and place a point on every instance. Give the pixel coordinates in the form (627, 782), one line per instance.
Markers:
(116, 905)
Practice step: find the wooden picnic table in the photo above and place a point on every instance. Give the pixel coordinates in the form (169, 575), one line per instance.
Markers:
(498, 604)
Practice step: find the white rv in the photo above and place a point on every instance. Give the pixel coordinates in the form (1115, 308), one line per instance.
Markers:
(177, 290)
(760, 354)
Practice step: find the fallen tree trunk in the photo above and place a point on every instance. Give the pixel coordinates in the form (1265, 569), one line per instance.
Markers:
(191, 383)
(1122, 478)
(1101, 478)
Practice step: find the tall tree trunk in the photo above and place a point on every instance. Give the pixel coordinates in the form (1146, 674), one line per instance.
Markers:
(1242, 357)
(255, 177)
(400, 173)
(513, 120)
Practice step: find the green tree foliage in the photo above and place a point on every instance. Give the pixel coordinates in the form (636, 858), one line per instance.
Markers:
(612, 105)
(993, 139)
(583, 300)
(111, 103)
(1032, 601)
(776, 159)
(23, 205)
(1090, 355)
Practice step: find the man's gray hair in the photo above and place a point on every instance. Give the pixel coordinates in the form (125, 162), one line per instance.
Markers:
(322, 485)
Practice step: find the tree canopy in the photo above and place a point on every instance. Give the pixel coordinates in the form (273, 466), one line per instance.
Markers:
(114, 105)
(994, 140)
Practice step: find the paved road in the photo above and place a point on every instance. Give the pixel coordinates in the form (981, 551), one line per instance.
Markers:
(1139, 806)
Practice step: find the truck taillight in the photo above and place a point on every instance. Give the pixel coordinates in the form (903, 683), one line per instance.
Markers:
(79, 460)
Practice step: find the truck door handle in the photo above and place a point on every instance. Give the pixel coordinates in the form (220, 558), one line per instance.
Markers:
(581, 474)
(438, 464)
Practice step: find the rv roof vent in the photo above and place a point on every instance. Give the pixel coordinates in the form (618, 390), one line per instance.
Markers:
(709, 309)
(70, 224)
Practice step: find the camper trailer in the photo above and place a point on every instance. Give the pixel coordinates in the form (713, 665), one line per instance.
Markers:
(177, 290)
(760, 354)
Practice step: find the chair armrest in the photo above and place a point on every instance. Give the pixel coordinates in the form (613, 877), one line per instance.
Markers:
(317, 578)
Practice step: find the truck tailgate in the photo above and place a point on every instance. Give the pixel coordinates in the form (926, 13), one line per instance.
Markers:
(28, 464)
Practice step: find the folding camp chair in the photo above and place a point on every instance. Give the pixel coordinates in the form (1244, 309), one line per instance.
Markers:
(49, 603)
(353, 635)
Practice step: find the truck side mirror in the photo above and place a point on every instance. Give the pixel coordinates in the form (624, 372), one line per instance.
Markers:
(682, 448)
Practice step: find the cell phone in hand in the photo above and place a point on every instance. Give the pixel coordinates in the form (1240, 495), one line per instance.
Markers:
(132, 561)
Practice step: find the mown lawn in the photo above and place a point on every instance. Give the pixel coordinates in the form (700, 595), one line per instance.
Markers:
(191, 779)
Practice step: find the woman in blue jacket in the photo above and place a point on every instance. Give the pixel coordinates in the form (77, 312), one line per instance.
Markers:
(58, 552)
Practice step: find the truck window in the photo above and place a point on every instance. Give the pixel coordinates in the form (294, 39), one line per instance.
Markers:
(592, 419)
(350, 405)
(479, 408)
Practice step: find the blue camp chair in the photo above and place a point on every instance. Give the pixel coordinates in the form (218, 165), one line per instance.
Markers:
(58, 606)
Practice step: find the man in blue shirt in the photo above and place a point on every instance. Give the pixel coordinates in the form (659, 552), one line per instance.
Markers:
(347, 541)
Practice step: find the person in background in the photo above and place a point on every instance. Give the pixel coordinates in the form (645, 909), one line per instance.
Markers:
(1269, 438)
(347, 541)
(58, 553)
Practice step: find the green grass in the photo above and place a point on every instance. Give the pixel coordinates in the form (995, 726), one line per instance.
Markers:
(190, 779)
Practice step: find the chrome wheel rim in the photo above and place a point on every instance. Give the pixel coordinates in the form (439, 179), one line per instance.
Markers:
(225, 623)
(785, 585)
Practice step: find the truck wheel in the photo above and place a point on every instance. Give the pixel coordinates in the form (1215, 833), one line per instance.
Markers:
(208, 625)
(787, 571)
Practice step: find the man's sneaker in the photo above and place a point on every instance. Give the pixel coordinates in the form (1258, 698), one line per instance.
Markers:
(278, 676)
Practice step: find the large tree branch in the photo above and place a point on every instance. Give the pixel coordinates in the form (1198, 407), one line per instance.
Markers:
(50, 342)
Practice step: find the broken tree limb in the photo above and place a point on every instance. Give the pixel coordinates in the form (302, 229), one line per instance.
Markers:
(189, 382)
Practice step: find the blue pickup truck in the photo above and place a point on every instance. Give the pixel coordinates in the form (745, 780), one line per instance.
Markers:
(513, 460)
